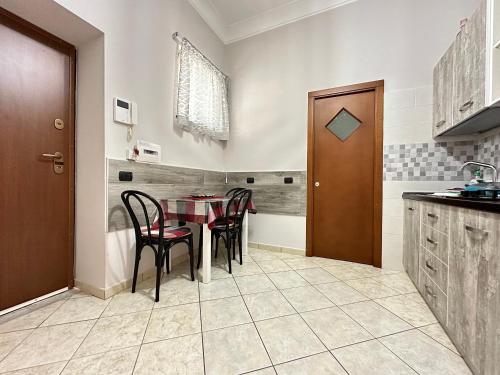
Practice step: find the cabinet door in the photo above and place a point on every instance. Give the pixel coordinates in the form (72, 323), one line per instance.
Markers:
(411, 239)
(473, 296)
(443, 93)
(470, 66)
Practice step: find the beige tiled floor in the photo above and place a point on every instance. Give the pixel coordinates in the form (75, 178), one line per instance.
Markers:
(277, 314)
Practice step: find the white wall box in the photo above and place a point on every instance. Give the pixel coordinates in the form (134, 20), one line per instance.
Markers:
(467, 78)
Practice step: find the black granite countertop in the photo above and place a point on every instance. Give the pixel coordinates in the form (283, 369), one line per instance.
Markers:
(471, 203)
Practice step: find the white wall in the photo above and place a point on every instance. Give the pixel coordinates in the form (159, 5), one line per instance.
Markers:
(398, 41)
(139, 65)
(90, 189)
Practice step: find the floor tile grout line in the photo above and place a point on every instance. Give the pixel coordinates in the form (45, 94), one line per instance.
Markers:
(146, 329)
(300, 358)
(256, 329)
(32, 329)
(396, 315)
(19, 344)
(321, 341)
(397, 356)
(308, 326)
(440, 343)
(85, 338)
(81, 320)
(340, 306)
(201, 331)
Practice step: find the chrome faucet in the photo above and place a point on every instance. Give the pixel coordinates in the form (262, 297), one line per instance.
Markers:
(484, 165)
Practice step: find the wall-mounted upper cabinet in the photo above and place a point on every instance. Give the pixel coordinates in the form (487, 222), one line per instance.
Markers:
(467, 78)
(470, 67)
(443, 92)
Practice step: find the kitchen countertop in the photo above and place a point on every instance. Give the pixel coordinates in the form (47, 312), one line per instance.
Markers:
(471, 203)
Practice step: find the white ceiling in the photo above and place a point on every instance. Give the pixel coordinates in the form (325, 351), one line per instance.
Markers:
(232, 11)
(233, 20)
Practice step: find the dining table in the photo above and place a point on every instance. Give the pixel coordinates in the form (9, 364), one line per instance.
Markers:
(204, 211)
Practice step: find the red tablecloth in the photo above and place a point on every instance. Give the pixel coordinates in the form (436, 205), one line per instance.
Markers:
(196, 210)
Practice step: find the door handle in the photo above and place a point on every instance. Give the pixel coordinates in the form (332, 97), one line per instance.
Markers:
(440, 123)
(58, 161)
(466, 106)
(55, 155)
(429, 266)
(432, 242)
(429, 291)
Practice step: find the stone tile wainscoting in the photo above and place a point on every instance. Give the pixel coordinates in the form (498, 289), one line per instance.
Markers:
(160, 181)
(270, 194)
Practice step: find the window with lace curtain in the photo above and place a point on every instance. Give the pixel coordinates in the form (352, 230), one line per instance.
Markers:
(202, 94)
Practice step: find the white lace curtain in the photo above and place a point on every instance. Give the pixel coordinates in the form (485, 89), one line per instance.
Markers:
(202, 94)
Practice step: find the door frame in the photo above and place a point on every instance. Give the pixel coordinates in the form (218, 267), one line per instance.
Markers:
(21, 25)
(378, 88)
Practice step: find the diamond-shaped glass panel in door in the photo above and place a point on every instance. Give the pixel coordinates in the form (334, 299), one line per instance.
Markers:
(343, 124)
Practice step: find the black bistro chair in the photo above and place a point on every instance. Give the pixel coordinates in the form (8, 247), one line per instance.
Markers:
(154, 233)
(231, 225)
(229, 194)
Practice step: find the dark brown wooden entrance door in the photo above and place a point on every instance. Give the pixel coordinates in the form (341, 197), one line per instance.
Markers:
(36, 201)
(345, 173)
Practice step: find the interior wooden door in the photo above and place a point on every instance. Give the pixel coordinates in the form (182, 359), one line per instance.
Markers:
(36, 194)
(345, 173)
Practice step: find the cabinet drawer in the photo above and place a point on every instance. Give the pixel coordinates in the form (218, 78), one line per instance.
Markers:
(434, 297)
(436, 242)
(436, 216)
(435, 269)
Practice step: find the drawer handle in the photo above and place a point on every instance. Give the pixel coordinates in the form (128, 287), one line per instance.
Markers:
(429, 291)
(466, 106)
(411, 209)
(475, 230)
(429, 266)
(434, 216)
(440, 123)
(432, 242)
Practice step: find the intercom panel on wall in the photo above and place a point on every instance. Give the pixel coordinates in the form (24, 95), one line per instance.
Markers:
(125, 111)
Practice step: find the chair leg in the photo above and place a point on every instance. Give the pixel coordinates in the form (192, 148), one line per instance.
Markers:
(240, 247)
(228, 247)
(191, 254)
(234, 247)
(200, 248)
(138, 251)
(216, 245)
(200, 239)
(212, 236)
(158, 275)
(167, 260)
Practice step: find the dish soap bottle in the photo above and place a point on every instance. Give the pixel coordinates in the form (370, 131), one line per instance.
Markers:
(477, 177)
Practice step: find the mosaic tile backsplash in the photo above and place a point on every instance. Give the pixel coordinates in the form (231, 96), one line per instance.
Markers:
(488, 150)
(439, 161)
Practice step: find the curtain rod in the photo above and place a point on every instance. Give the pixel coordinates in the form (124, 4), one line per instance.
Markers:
(178, 39)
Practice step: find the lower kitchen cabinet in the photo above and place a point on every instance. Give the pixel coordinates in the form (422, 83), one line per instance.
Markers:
(460, 281)
(473, 295)
(411, 241)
